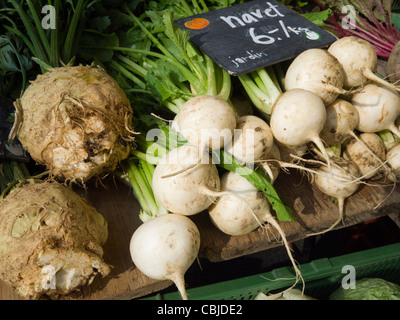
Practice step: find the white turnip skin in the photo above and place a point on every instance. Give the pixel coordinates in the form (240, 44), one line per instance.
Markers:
(297, 118)
(251, 140)
(341, 120)
(164, 248)
(368, 164)
(393, 160)
(340, 182)
(271, 167)
(359, 61)
(182, 184)
(318, 71)
(378, 107)
(238, 216)
(206, 121)
(243, 209)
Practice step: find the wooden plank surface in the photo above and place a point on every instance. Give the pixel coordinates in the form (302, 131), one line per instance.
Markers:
(313, 210)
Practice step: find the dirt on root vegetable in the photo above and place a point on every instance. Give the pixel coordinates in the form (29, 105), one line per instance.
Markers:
(51, 240)
(76, 121)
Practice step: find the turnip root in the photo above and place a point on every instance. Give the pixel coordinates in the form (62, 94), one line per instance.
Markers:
(340, 182)
(252, 139)
(359, 61)
(182, 184)
(206, 122)
(164, 248)
(341, 120)
(378, 107)
(297, 118)
(368, 164)
(243, 209)
(318, 71)
(51, 240)
(76, 121)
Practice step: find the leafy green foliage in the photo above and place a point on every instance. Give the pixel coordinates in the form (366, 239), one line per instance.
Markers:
(15, 62)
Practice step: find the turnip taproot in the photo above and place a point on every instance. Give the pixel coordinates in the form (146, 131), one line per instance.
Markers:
(378, 107)
(51, 240)
(206, 122)
(359, 61)
(182, 184)
(76, 121)
(318, 71)
(164, 248)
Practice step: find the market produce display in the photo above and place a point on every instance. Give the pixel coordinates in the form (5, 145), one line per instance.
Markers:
(127, 94)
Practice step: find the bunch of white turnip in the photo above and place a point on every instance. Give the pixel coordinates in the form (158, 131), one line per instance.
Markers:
(334, 99)
(333, 104)
(186, 181)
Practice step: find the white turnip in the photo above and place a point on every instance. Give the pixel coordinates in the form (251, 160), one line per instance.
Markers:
(368, 163)
(164, 248)
(318, 71)
(183, 184)
(206, 122)
(378, 107)
(341, 120)
(252, 139)
(243, 209)
(359, 61)
(393, 160)
(238, 216)
(297, 118)
(340, 182)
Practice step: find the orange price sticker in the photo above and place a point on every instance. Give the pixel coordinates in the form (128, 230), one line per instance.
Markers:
(197, 23)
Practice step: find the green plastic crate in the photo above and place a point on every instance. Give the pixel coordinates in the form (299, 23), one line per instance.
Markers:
(321, 277)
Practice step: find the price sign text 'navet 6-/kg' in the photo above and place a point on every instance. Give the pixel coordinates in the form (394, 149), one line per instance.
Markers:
(253, 35)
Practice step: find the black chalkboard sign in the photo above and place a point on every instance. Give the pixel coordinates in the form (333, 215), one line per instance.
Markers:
(253, 35)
